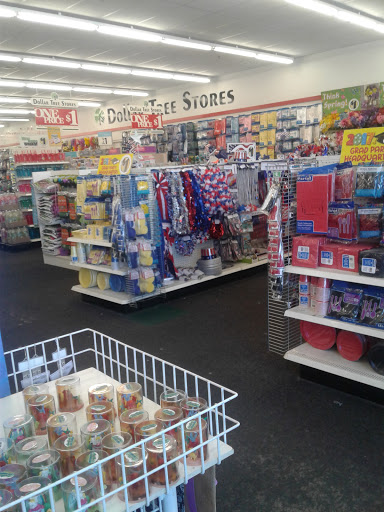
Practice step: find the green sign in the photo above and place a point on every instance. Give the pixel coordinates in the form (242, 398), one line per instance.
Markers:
(349, 99)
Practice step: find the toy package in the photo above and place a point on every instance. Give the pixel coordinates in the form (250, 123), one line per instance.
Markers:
(344, 302)
(342, 221)
(372, 307)
(369, 221)
(306, 251)
(371, 262)
(369, 181)
(344, 182)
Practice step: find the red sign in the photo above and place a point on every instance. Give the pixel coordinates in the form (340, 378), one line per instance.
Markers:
(147, 121)
(56, 117)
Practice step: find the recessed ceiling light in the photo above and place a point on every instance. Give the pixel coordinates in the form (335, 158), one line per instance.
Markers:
(51, 62)
(11, 83)
(106, 69)
(7, 13)
(235, 51)
(88, 104)
(2, 125)
(15, 111)
(56, 20)
(127, 92)
(98, 90)
(184, 43)
(130, 33)
(315, 5)
(274, 58)
(9, 58)
(18, 119)
(356, 19)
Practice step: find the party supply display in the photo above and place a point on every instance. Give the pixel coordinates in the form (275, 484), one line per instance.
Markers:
(344, 182)
(306, 251)
(88, 490)
(101, 411)
(371, 262)
(351, 346)
(93, 432)
(328, 255)
(193, 438)
(369, 181)
(129, 419)
(129, 396)
(35, 389)
(168, 417)
(7, 451)
(46, 465)
(369, 222)
(134, 468)
(155, 450)
(345, 301)
(68, 393)
(30, 446)
(372, 307)
(90, 457)
(61, 425)
(19, 427)
(69, 447)
(40, 502)
(376, 357)
(113, 443)
(41, 407)
(342, 221)
(10, 476)
(147, 428)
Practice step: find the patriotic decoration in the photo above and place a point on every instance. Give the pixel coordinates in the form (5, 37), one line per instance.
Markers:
(161, 184)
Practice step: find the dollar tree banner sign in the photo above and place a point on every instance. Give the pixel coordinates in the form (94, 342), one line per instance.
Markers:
(349, 99)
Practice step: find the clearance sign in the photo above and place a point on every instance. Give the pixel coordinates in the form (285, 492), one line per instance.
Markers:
(363, 146)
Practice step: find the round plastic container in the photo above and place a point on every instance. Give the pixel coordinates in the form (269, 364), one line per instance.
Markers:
(129, 419)
(113, 443)
(117, 283)
(19, 427)
(321, 337)
(155, 450)
(172, 398)
(69, 447)
(41, 407)
(103, 281)
(323, 289)
(129, 396)
(313, 291)
(90, 457)
(68, 393)
(6, 498)
(87, 278)
(192, 438)
(29, 446)
(35, 389)
(88, 490)
(32, 484)
(58, 425)
(193, 405)
(93, 432)
(10, 476)
(147, 428)
(7, 451)
(376, 357)
(168, 417)
(134, 468)
(46, 464)
(101, 392)
(103, 410)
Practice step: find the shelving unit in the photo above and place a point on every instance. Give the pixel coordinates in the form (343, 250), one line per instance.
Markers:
(101, 268)
(90, 241)
(38, 164)
(339, 275)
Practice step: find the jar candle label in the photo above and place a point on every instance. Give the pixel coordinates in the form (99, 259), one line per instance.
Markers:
(40, 399)
(131, 457)
(150, 426)
(118, 439)
(98, 408)
(169, 396)
(93, 457)
(135, 414)
(191, 425)
(29, 446)
(80, 480)
(41, 458)
(33, 486)
(193, 405)
(158, 443)
(168, 412)
(92, 427)
(70, 441)
(6, 474)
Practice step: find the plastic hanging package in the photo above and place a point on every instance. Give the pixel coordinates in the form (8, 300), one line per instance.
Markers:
(344, 182)
(342, 222)
(372, 307)
(369, 221)
(344, 302)
(369, 182)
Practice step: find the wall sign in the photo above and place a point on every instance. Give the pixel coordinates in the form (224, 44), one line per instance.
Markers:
(349, 99)
(190, 102)
(32, 141)
(115, 164)
(363, 146)
(56, 117)
(105, 138)
(146, 121)
(53, 102)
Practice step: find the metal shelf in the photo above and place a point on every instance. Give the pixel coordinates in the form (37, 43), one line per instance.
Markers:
(302, 314)
(339, 275)
(331, 361)
(92, 241)
(101, 268)
(58, 261)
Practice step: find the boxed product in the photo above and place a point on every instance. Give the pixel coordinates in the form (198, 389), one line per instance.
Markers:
(371, 262)
(306, 251)
(329, 255)
(348, 257)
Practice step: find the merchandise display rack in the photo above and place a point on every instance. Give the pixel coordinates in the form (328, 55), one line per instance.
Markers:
(97, 358)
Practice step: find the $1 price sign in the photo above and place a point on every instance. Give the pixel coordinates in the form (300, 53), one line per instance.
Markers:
(56, 117)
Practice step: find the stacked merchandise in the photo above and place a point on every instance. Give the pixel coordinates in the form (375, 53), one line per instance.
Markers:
(13, 224)
(232, 129)
(267, 136)
(256, 132)
(205, 135)
(182, 142)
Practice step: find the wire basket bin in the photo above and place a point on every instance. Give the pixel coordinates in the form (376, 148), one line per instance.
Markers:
(109, 377)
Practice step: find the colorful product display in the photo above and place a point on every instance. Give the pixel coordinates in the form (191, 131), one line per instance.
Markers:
(129, 419)
(68, 393)
(93, 432)
(88, 491)
(40, 502)
(101, 411)
(41, 407)
(134, 468)
(156, 450)
(19, 427)
(58, 425)
(30, 446)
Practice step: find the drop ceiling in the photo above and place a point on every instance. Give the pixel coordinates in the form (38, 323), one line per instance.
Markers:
(269, 25)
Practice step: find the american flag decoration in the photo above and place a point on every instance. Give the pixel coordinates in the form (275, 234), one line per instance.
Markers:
(161, 184)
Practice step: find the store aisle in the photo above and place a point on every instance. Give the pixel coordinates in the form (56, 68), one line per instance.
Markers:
(301, 447)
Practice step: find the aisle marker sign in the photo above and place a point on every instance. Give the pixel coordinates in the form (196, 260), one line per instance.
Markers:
(363, 146)
(56, 117)
(115, 164)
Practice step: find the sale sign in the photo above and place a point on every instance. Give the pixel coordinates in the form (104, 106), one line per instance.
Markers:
(146, 121)
(56, 117)
(363, 146)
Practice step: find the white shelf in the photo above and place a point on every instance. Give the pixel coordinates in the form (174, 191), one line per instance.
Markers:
(109, 295)
(339, 275)
(303, 314)
(35, 239)
(58, 261)
(26, 209)
(92, 241)
(37, 164)
(102, 268)
(331, 361)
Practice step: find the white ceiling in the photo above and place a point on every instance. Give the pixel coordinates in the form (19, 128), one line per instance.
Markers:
(270, 25)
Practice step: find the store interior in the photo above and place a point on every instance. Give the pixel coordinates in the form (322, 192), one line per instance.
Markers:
(191, 215)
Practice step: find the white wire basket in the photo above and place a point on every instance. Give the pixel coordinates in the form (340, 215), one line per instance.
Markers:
(97, 358)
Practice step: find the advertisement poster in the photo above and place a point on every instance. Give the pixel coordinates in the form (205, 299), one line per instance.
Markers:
(245, 152)
(54, 136)
(115, 164)
(349, 99)
(363, 146)
(56, 117)
(146, 121)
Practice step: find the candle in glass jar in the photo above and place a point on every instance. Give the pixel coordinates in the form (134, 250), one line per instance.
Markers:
(38, 503)
(41, 407)
(129, 419)
(92, 457)
(29, 446)
(35, 389)
(10, 476)
(7, 451)
(129, 396)
(194, 405)
(192, 439)
(19, 427)
(146, 429)
(172, 398)
(134, 468)
(101, 411)
(169, 416)
(93, 432)
(155, 449)
(46, 465)
(113, 443)
(69, 447)
(58, 425)
(68, 394)
(88, 492)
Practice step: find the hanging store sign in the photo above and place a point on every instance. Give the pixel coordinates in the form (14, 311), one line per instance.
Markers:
(363, 146)
(115, 164)
(53, 102)
(146, 121)
(56, 117)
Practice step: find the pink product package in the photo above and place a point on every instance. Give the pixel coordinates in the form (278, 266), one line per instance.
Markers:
(306, 251)
(329, 255)
(348, 256)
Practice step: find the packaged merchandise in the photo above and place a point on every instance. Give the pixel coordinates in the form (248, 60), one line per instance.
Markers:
(369, 222)
(102, 410)
(348, 257)
(47, 465)
(60, 425)
(69, 447)
(345, 301)
(41, 407)
(129, 396)
(172, 398)
(371, 262)
(93, 432)
(10, 476)
(112, 444)
(7, 452)
(372, 307)
(170, 416)
(40, 501)
(342, 221)
(305, 291)
(68, 394)
(34, 389)
(134, 468)
(314, 281)
(88, 490)
(19, 427)
(90, 457)
(376, 357)
(351, 346)
(306, 251)
(329, 255)
(369, 181)
(344, 182)
(321, 337)
(193, 438)
(130, 418)
(30, 446)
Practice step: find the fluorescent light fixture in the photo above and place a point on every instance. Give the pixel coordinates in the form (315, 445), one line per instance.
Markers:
(152, 74)
(106, 69)
(93, 89)
(88, 104)
(192, 78)
(184, 43)
(356, 19)
(235, 51)
(56, 20)
(274, 58)
(48, 87)
(18, 119)
(2, 125)
(10, 58)
(127, 92)
(315, 5)
(15, 111)
(51, 62)
(130, 33)
(7, 13)
(15, 99)
(11, 83)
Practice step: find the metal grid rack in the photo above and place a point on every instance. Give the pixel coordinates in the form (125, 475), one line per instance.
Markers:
(98, 358)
